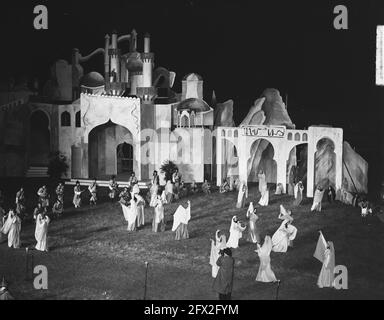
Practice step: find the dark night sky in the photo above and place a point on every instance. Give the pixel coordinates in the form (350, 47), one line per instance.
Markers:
(239, 47)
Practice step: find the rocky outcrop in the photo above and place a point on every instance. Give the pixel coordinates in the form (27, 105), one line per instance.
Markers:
(269, 109)
(224, 114)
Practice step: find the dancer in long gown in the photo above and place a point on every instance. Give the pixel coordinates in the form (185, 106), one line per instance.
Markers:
(218, 244)
(242, 195)
(325, 253)
(253, 232)
(284, 236)
(235, 233)
(130, 213)
(43, 196)
(299, 188)
(158, 224)
(265, 273)
(93, 191)
(12, 227)
(77, 195)
(264, 200)
(41, 231)
(180, 221)
(20, 202)
(154, 189)
(113, 188)
(140, 203)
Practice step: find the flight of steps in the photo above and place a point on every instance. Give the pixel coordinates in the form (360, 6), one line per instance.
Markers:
(37, 172)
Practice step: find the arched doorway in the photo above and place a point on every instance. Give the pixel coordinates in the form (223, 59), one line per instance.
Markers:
(325, 163)
(103, 151)
(124, 156)
(39, 140)
(262, 158)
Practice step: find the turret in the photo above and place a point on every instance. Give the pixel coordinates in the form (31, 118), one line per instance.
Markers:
(115, 65)
(106, 58)
(147, 58)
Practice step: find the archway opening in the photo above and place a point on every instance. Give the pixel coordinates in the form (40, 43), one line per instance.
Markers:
(262, 158)
(39, 139)
(325, 163)
(297, 166)
(107, 153)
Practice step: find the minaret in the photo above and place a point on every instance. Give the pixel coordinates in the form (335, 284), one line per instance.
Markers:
(115, 65)
(106, 60)
(147, 58)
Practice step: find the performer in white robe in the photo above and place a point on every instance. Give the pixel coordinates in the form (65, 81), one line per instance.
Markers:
(41, 231)
(262, 181)
(265, 273)
(130, 214)
(158, 224)
(113, 188)
(284, 236)
(264, 200)
(242, 195)
(253, 232)
(235, 233)
(325, 253)
(140, 203)
(317, 199)
(298, 190)
(216, 245)
(180, 221)
(12, 227)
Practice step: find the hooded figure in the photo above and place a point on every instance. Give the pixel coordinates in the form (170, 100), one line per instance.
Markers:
(218, 244)
(158, 217)
(242, 195)
(180, 221)
(12, 227)
(284, 236)
(265, 273)
(299, 188)
(253, 232)
(317, 199)
(325, 253)
(41, 232)
(235, 233)
(130, 214)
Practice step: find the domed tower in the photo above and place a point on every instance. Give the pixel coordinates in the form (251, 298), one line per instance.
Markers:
(147, 92)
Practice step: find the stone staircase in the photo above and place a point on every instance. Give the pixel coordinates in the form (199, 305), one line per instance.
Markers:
(37, 172)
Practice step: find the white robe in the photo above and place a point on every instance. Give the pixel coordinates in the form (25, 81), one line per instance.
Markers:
(283, 236)
(182, 215)
(317, 199)
(216, 246)
(130, 214)
(242, 195)
(235, 234)
(264, 200)
(265, 273)
(140, 219)
(41, 232)
(12, 226)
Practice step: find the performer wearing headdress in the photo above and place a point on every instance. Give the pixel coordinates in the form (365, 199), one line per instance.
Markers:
(77, 195)
(235, 233)
(113, 188)
(253, 232)
(43, 196)
(265, 273)
(216, 246)
(180, 221)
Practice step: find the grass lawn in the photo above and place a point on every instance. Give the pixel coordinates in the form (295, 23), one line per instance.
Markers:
(92, 256)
